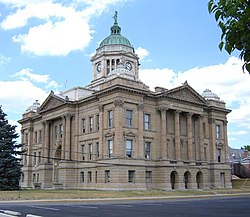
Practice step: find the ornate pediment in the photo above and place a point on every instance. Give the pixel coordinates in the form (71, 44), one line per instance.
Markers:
(109, 134)
(51, 102)
(129, 134)
(186, 93)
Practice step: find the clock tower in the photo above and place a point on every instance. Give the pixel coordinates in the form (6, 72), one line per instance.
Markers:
(115, 57)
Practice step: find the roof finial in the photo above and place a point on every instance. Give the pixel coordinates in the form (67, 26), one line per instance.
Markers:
(115, 17)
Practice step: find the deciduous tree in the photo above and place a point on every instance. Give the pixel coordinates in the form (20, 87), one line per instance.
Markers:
(233, 17)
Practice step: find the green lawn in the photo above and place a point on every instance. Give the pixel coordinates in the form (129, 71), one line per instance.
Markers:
(90, 194)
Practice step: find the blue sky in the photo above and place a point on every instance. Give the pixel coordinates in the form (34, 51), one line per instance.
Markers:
(47, 45)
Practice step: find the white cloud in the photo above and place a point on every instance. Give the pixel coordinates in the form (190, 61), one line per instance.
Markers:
(157, 77)
(21, 3)
(27, 75)
(4, 59)
(238, 133)
(142, 52)
(60, 28)
(226, 80)
(16, 96)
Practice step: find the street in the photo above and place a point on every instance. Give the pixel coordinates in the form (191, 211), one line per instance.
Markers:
(210, 207)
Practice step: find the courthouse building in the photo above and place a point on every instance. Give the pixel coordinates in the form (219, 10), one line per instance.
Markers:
(117, 134)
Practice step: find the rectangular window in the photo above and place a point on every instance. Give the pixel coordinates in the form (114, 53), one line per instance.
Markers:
(107, 176)
(218, 132)
(205, 153)
(83, 152)
(36, 138)
(96, 177)
(148, 177)
(129, 118)
(37, 177)
(110, 119)
(97, 150)
(219, 155)
(147, 150)
(34, 159)
(129, 144)
(98, 122)
(34, 177)
(131, 176)
(40, 136)
(25, 159)
(147, 121)
(39, 157)
(56, 132)
(89, 176)
(26, 138)
(91, 123)
(110, 148)
(223, 180)
(61, 130)
(83, 125)
(90, 151)
(82, 177)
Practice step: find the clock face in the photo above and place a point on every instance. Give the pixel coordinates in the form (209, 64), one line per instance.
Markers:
(98, 67)
(128, 66)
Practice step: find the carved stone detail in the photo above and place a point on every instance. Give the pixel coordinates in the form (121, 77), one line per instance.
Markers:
(118, 103)
(140, 106)
(52, 103)
(100, 108)
(186, 95)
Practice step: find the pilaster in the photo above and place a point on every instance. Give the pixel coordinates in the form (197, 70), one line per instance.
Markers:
(190, 137)
(101, 139)
(141, 151)
(118, 147)
(163, 144)
(177, 135)
(201, 137)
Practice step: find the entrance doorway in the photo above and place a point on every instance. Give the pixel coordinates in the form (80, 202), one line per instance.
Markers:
(174, 180)
(187, 180)
(199, 180)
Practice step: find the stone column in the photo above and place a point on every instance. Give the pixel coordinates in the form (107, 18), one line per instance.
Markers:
(163, 145)
(68, 137)
(63, 137)
(118, 146)
(225, 145)
(212, 133)
(102, 152)
(190, 137)
(201, 137)
(30, 145)
(141, 151)
(177, 135)
(46, 141)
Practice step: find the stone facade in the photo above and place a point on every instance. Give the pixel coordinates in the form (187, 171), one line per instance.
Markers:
(116, 134)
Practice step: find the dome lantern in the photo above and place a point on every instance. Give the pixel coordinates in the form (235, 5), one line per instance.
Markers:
(115, 37)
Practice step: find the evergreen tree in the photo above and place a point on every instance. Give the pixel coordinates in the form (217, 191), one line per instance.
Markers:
(10, 167)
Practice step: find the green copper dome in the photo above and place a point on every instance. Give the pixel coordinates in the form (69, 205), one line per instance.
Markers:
(115, 37)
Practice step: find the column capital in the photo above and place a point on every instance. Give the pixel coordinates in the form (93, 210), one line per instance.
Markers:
(201, 116)
(177, 111)
(140, 106)
(225, 122)
(100, 108)
(162, 109)
(211, 120)
(67, 115)
(118, 103)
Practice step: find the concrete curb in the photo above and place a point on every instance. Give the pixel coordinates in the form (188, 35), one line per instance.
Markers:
(127, 198)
